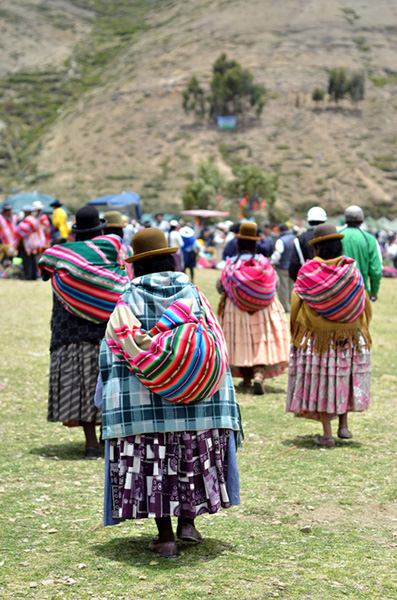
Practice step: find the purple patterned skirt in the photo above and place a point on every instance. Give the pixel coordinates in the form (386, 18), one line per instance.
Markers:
(334, 382)
(169, 474)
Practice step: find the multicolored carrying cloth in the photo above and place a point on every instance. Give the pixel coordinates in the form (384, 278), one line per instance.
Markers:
(335, 291)
(250, 284)
(183, 358)
(86, 276)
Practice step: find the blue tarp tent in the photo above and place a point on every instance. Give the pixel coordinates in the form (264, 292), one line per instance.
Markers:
(125, 202)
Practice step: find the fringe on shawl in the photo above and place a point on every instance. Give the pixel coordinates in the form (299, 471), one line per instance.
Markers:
(324, 339)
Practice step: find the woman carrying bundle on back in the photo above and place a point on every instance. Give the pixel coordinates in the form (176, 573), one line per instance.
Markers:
(330, 360)
(170, 417)
(252, 318)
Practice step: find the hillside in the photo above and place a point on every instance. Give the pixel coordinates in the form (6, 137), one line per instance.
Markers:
(127, 129)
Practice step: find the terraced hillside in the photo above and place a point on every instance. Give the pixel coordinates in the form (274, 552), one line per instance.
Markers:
(91, 98)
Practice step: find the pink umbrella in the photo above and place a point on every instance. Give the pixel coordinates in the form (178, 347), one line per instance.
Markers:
(202, 212)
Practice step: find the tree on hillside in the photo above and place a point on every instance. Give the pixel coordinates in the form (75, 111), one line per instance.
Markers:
(337, 83)
(202, 191)
(356, 87)
(318, 95)
(194, 98)
(233, 92)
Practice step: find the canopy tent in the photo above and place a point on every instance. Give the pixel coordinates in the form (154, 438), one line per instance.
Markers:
(124, 202)
(18, 201)
(202, 212)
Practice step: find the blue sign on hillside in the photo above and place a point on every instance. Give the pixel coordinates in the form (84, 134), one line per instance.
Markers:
(226, 122)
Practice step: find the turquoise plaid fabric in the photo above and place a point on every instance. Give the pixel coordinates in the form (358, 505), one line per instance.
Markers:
(128, 407)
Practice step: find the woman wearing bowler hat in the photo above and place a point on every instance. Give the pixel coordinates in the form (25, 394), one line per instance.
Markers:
(330, 359)
(164, 458)
(252, 318)
(85, 276)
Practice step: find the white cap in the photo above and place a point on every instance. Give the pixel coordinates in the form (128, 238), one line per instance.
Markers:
(354, 214)
(174, 223)
(316, 214)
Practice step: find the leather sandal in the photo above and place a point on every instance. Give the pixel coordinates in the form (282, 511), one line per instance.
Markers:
(344, 433)
(163, 549)
(188, 533)
(324, 442)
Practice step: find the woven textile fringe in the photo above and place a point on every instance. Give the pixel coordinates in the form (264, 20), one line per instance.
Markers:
(324, 339)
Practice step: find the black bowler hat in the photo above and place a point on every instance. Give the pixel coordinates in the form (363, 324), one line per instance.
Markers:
(88, 221)
(56, 203)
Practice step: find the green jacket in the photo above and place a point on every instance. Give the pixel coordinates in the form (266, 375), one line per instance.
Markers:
(363, 247)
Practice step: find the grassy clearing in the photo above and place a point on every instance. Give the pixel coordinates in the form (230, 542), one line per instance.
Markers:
(53, 544)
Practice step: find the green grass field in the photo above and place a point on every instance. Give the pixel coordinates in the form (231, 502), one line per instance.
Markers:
(53, 545)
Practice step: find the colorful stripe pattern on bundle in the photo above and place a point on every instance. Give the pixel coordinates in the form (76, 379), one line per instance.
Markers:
(182, 358)
(336, 292)
(250, 284)
(86, 276)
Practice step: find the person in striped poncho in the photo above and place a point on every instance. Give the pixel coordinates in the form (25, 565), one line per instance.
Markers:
(330, 359)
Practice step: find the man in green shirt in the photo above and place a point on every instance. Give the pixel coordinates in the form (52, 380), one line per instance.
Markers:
(363, 247)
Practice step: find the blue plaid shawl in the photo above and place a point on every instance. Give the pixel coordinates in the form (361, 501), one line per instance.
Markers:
(128, 407)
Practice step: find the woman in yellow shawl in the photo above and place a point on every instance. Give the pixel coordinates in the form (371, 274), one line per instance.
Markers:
(330, 359)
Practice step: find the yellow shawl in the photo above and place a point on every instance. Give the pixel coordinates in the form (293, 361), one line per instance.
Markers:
(306, 322)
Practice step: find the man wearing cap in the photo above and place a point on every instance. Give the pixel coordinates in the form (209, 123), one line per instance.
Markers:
(8, 227)
(59, 222)
(363, 247)
(280, 259)
(302, 250)
(28, 231)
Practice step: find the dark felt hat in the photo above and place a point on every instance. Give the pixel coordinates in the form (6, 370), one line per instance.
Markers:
(88, 221)
(149, 242)
(248, 231)
(324, 233)
(56, 203)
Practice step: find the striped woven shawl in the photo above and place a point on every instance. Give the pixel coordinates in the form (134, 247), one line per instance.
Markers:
(183, 358)
(86, 276)
(250, 284)
(335, 289)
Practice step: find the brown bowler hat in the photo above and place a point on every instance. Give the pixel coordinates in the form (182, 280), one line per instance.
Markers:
(325, 232)
(149, 242)
(248, 231)
(114, 219)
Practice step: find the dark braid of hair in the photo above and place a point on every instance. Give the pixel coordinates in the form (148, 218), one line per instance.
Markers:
(154, 264)
(116, 230)
(83, 237)
(246, 246)
(329, 249)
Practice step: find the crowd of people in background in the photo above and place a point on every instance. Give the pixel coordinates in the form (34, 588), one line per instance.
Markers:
(24, 237)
